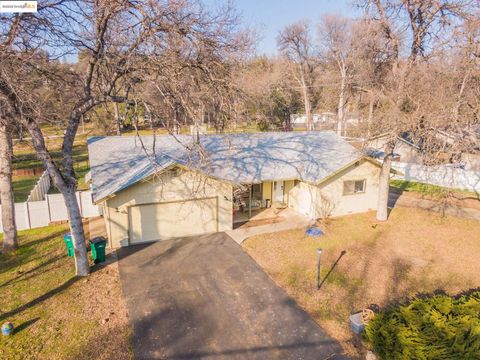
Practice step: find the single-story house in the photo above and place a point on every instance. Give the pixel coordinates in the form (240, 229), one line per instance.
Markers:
(155, 188)
(324, 120)
(405, 149)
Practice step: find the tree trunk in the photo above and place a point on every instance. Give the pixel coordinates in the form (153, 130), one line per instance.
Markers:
(63, 180)
(117, 119)
(341, 105)
(371, 107)
(82, 267)
(307, 103)
(6, 191)
(384, 183)
(66, 185)
(308, 109)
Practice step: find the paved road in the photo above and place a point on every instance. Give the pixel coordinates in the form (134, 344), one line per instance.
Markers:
(205, 298)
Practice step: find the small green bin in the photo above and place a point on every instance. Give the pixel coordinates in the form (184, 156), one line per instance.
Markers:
(98, 245)
(67, 238)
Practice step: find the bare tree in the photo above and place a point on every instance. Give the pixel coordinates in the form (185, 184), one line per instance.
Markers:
(6, 191)
(116, 39)
(335, 35)
(411, 29)
(194, 75)
(295, 43)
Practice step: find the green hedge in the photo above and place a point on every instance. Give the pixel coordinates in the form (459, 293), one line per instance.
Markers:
(438, 327)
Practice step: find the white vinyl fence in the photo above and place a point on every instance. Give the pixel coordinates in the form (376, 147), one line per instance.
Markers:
(441, 175)
(33, 214)
(40, 189)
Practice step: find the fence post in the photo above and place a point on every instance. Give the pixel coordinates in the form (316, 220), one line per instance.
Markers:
(48, 209)
(27, 208)
(79, 198)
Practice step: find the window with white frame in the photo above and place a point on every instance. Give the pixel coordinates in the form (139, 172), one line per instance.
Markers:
(351, 187)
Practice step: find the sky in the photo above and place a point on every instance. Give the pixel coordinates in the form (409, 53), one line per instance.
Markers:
(268, 17)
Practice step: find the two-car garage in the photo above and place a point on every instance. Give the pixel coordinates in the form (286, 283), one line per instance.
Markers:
(175, 203)
(158, 221)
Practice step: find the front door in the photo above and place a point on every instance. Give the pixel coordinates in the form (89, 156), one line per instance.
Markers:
(279, 186)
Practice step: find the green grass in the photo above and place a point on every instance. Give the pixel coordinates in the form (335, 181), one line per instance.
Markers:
(427, 189)
(22, 187)
(50, 308)
(25, 158)
(39, 268)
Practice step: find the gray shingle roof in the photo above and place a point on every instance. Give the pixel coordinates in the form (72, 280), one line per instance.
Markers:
(118, 162)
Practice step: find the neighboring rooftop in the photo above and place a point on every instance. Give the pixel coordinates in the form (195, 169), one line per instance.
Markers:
(118, 162)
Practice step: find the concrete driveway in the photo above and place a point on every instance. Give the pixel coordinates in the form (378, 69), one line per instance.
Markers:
(203, 297)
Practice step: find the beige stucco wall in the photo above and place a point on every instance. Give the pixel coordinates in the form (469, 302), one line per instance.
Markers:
(289, 184)
(327, 198)
(167, 187)
(302, 198)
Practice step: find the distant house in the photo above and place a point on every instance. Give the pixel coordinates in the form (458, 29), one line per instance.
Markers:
(405, 150)
(185, 188)
(410, 151)
(324, 120)
(300, 120)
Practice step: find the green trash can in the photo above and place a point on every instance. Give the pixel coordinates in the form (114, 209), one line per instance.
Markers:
(67, 238)
(98, 245)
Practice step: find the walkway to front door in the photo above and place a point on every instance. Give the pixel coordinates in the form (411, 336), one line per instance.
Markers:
(265, 222)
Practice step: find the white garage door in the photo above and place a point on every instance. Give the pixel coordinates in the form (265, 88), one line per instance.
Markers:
(162, 221)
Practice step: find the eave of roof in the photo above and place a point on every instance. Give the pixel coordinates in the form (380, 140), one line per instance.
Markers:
(161, 171)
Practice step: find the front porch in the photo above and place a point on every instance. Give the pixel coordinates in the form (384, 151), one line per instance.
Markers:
(260, 203)
(264, 208)
(257, 217)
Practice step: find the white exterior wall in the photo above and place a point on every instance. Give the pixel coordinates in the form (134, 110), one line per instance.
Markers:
(168, 187)
(327, 199)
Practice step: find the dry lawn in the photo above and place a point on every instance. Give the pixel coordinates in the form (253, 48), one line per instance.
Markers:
(416, 251)
(57, 315)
